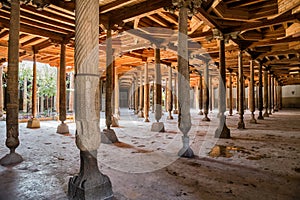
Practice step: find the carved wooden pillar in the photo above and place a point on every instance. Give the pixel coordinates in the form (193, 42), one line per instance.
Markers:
(200, 94)
(275, 95)
(266, 96)
(71, 94)
(108, 135)
(153, 95)
(117, 95)
(62, 128)
(157, 126)
(206, 91)
(230, 92)
(241, 124)
(184, 117)
(141, 103)
(146, 95)
(90, 183)
(237, 93)
(176, 93)
(270, 92)
(170, 93)
(222, 130)
(136, 95)
(24, 94)
(34, 122)
(100, 93)
(280, 97)
(211, 93)
(260, 94)
(1, 91)
(251, 93)
(273, 92)
(12, 124)
(57, 91)
(166, 95)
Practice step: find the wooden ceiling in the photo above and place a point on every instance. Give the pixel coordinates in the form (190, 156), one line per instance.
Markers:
(268, 31)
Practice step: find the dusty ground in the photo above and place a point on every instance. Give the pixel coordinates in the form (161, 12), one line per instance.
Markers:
(261, 162)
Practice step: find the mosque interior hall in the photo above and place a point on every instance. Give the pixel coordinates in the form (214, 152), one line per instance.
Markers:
(140, 99)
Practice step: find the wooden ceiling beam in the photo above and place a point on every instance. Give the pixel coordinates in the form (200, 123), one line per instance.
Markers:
(118, 3)
(34, 31)
(287, 17)
(127, 12)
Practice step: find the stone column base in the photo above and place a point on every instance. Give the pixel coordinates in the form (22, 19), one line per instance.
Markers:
(260, 117)
(62, 128)
(146, 120)
(200, 112)
(33, 123)
(241, 125)
(11, 159)
(114, 122)
(253, 121)
(222, 131)
(186, 150)
(140, 114)
(108, 136)
(266, 114)
(206, 119)
(175, 112)
(158, 127)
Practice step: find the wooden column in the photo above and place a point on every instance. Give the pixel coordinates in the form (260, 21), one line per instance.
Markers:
(222, 130)
(153, 95)
(241, 124)
(108, 135)
(57, 91)
(62, 128)
(90, 183)
(170, 93)
(184, 117)
(109, 79)
(33, 122)
(260, 94)
(211, 93)
(237, 93)
(136, 96)
(266, 96)
(270, 93)
(157, 126)
(117, 95)
(12, 123)
(206, 92)
(230, 92)
(251, 93)
(1, 91)
(100, 93)
(176, 93)
(275, 95)
(24, 93)
(146, 94)
(280, 97)
(166, 95)
(273, 92)
(141, 102)
(71, 94)
(200, 94)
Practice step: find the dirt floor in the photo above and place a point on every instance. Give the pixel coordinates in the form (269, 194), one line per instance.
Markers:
(260, 162)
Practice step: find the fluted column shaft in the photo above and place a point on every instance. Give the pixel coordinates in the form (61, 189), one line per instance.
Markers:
(109, 79)
(89, 183)
(136, 95)
(116, 92)
(200, 94)
(71, 94)
(266, 96)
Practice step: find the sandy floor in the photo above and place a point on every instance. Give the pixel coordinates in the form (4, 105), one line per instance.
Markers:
(260, 162)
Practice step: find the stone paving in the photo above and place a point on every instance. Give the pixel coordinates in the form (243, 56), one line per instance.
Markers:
(260, 162)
